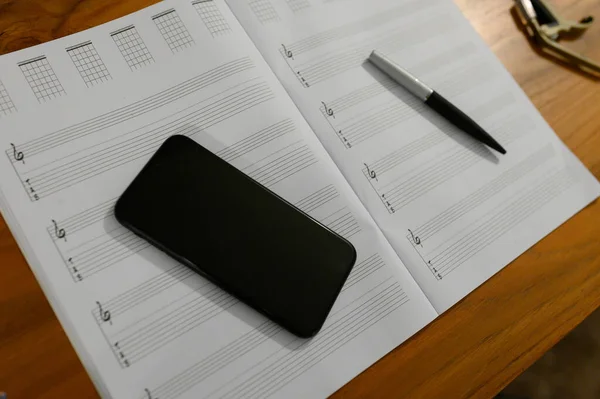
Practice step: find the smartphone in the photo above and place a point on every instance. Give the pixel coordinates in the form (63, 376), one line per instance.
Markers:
(213, 218)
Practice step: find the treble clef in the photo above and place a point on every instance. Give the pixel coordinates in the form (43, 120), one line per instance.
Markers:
(288, 53)
(60, 233)
(18, 155)
(415, 238)
(371, 173)
(104, 314)
(328, 110)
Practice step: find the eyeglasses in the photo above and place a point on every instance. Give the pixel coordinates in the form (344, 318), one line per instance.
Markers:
(546, 27)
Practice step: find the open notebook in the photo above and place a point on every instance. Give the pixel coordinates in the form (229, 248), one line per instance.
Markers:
(282, 91)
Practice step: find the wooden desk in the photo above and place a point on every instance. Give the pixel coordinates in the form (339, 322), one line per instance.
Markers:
(474, 349)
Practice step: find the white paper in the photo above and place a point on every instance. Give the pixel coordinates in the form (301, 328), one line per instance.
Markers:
(82, 115)
(455, 211)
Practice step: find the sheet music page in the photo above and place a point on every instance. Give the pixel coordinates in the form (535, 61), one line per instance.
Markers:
(81, 116)
(455, 211)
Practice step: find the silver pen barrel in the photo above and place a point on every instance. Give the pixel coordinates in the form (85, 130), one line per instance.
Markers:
(401, 75)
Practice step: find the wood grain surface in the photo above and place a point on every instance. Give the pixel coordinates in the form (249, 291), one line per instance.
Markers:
(475, 348)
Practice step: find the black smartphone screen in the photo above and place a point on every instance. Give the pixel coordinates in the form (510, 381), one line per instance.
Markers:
(216, 220)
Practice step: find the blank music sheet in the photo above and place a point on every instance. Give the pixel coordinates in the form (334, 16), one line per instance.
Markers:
(454, 211)
(84, 114)
(432, 213)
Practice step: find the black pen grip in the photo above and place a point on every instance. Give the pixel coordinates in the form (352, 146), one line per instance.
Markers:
(461, 120)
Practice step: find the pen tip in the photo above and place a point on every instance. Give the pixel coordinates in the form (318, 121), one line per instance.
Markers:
(490, 142)
(494, 144)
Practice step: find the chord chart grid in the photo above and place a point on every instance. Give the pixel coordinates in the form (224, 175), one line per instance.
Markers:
(89, 64)
(212, 17)
(173, 30)
(132, 47)
(264, 11)
(298, 5)
(42, 79)
(35, 147)
(6, 104)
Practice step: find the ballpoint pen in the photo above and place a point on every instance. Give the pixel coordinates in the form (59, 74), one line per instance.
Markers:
(434, 100)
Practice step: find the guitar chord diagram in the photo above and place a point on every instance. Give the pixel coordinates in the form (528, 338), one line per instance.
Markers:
(173, 30)
(89, 64)
(212, 17)
(264, 11)
(98, 124)
(6, 104)
(132, 47)
(297, 5)
(41, 78)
